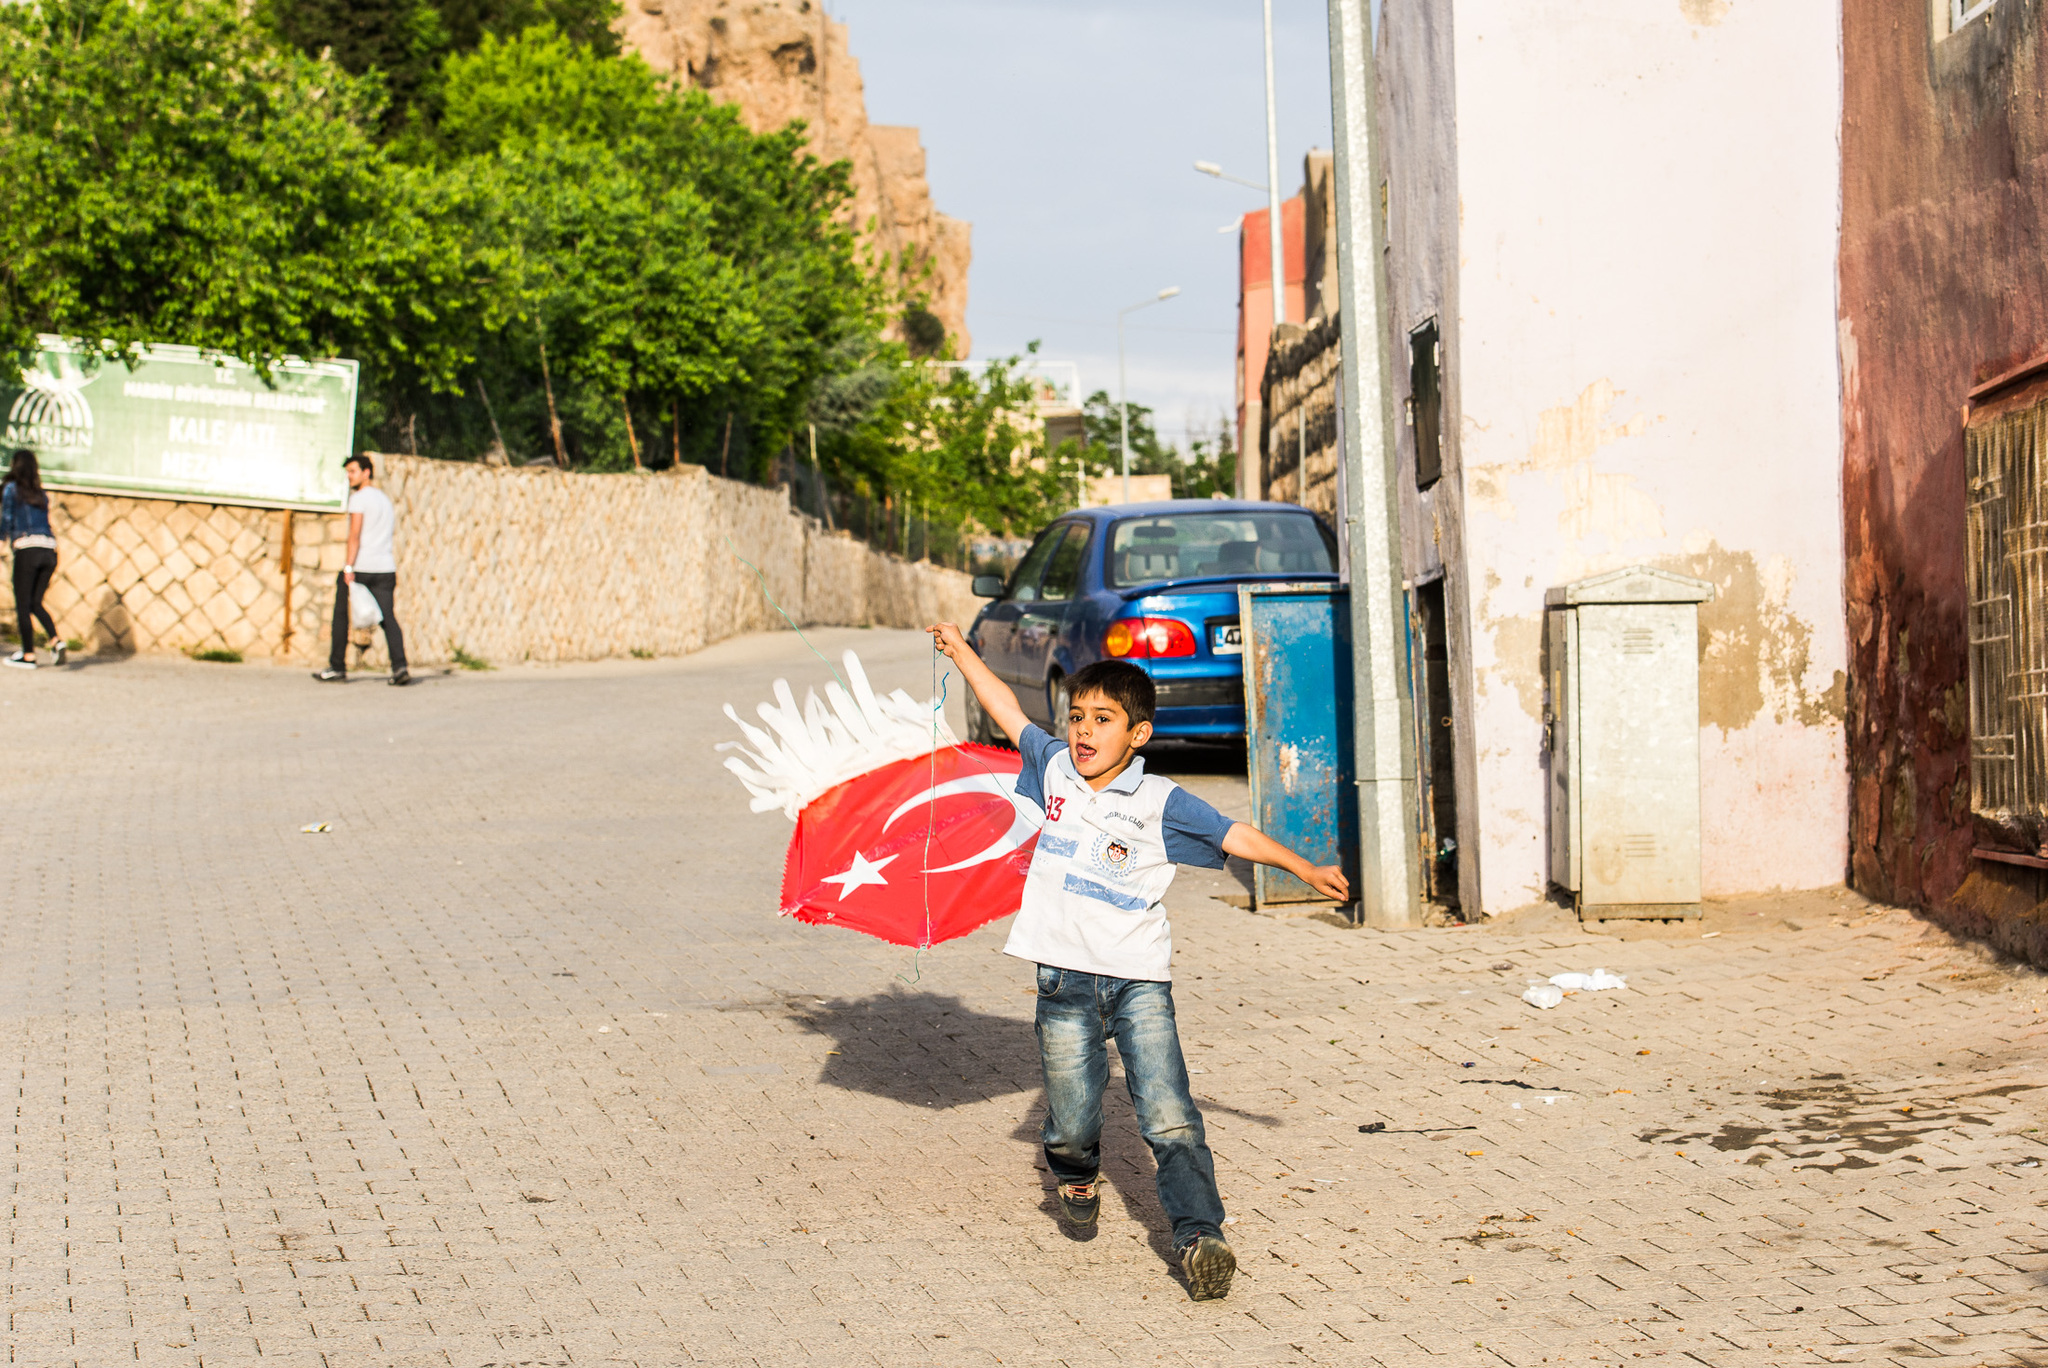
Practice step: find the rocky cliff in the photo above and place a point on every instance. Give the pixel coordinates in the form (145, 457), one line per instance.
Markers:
(780, 60)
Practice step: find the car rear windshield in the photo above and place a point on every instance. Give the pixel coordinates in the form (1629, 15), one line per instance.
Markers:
(1195, 545)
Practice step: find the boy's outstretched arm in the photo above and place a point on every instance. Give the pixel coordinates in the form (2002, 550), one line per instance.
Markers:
(1250, 843)
(998, 700)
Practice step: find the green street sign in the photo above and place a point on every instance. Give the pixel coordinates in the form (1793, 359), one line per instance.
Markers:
(181, 424)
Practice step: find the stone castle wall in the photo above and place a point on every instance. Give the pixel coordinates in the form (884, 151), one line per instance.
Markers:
(506, 564)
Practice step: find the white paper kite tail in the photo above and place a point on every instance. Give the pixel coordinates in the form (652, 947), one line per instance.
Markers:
(807, 751)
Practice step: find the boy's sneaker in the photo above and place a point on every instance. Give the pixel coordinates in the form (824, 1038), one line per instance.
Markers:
(1209, 1265)
(1081, 1201)
(20, 661)
(401, 678)
(59, 650)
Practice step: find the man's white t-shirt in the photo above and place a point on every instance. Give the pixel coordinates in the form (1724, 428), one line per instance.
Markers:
(1104, 860)
(373, 552)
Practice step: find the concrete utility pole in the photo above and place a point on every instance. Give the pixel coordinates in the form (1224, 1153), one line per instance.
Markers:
(1274, 234)
(1389, 868)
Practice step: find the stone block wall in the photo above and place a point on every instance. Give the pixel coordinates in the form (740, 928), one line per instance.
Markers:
(505, 564)
(1301, 394)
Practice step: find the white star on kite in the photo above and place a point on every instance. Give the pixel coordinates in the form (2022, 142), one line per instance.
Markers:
(862, 871)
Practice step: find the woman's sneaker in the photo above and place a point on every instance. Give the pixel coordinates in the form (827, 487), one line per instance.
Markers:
(1081, 1201)
(59, 649)
(19, 661)
(1209, 1265)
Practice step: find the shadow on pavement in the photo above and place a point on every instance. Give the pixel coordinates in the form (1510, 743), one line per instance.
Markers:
(922, 1049)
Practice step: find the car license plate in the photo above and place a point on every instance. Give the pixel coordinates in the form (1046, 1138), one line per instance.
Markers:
(1228, 640)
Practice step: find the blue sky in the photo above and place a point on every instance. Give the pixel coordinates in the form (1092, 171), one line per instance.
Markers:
(1066, 133)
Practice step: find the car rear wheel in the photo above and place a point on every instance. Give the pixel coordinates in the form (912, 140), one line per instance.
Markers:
(1056, 702)
(981, 729)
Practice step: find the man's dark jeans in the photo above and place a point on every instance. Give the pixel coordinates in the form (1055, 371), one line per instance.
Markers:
(1077, 1015)
(382, 584)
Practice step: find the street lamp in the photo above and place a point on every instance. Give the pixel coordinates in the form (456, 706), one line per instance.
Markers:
(1123, 403)
(1273, 227)
(1212, 169)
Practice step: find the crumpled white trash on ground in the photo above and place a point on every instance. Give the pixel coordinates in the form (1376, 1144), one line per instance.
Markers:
(1597, 981)
(1548, 995)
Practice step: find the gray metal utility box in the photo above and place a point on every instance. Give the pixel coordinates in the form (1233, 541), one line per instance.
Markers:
(1622, 724)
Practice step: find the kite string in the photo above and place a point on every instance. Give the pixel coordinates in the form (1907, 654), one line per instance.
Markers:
(786, 617)
(938, 687)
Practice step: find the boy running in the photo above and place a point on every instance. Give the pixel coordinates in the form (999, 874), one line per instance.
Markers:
(1093, 923)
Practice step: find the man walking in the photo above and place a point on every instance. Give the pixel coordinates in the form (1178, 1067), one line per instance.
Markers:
(371, 519)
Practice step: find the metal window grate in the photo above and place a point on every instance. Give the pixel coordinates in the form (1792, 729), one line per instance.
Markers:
(2008, 587)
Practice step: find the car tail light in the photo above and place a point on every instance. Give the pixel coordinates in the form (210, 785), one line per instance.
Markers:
(1148, 639)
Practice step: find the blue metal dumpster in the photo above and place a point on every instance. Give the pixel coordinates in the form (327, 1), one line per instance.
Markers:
(1297, 703)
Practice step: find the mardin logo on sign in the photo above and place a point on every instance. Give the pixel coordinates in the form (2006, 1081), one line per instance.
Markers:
(50, 413)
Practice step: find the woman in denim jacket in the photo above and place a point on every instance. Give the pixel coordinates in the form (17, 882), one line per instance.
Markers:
(25, 526)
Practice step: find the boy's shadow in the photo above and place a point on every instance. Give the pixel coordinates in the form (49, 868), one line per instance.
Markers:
(922, 1049)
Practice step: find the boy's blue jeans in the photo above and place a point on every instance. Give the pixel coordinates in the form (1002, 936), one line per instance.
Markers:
(1077, 1015)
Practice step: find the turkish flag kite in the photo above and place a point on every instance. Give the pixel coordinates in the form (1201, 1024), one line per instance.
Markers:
(916, 852)
(901, 832)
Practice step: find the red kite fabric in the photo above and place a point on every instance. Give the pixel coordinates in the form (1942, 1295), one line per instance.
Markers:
(917, 851)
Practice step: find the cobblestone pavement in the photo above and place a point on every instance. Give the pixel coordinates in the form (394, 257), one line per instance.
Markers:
(516, 1066)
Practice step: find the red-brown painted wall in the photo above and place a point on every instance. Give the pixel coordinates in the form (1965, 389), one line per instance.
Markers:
(1255, 306)
(1944, 283)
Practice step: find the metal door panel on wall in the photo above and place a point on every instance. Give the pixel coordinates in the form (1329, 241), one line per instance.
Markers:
(1559, 722)
(1636, 734)
(1298, 738)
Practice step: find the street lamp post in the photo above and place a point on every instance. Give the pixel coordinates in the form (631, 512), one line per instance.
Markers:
(1273, 227)
(1209, 168)
(1123, 403)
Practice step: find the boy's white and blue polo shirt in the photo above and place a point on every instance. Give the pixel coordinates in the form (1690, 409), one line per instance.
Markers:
(1103, 862)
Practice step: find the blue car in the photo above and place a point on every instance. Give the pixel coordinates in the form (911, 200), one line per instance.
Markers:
(1151, 583)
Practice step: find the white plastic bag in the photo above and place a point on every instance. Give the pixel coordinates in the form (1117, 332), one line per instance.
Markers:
(363, 612)
(1598, 981)
(1543, 995)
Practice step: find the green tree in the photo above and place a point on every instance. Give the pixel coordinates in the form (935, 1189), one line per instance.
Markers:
(404, 42)
(170, 175)
(676, 266)
(398, 42)
(586, 23)
(1206, 468)
(953, 443)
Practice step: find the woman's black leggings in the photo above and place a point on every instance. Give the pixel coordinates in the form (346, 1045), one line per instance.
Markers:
(33, 567)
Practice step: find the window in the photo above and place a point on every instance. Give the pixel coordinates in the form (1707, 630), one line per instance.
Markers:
(1203, 545)
(1953, 16)
(1063, 571)
(1024, 583)
(2007, 576)
(1426, 403)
